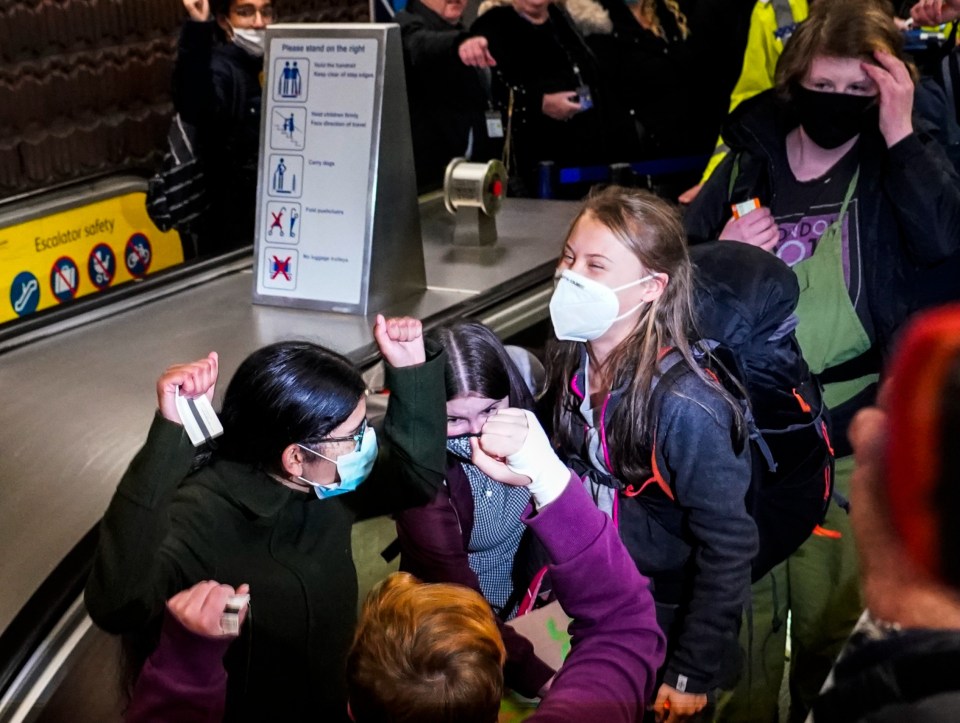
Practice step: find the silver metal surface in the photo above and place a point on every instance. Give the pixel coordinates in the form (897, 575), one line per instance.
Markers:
(173, 281)
(530, 309)
(77, 405)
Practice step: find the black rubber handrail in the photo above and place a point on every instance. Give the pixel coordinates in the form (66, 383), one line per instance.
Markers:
(74, 183)
(45, 608)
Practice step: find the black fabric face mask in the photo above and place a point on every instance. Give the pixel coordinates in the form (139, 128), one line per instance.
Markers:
(832, 119)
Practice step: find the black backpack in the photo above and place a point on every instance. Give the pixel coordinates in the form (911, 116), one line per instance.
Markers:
(177, 194)
(745, 300)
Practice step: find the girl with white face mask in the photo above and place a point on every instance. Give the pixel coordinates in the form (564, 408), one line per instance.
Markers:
(622, 313)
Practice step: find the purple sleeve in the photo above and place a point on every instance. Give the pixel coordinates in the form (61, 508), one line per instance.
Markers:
(183, 680)
(617, 645)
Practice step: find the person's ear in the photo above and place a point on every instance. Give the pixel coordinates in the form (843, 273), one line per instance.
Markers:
(225, 26)
(292, 460)
(654, 288)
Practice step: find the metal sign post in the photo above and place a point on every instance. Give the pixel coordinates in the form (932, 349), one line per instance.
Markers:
(337, 221)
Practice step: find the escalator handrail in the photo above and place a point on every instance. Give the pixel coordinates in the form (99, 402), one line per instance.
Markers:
(45, 608)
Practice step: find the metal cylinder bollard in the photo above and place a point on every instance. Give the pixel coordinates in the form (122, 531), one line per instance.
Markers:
(481, 186)
(474, 185)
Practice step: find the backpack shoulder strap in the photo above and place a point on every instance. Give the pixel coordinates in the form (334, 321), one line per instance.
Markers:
(660, 384)
(656, 477)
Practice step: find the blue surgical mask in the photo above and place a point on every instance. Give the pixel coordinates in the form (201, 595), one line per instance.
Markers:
(352, 468)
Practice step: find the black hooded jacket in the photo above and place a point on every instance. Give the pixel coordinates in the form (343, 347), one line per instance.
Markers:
(902, 678)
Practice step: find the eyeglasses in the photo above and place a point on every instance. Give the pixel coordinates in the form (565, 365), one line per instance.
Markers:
(357, 436)
(248, 11)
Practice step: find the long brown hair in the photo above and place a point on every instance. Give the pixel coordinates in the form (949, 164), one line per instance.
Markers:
(651, 229)
(847, 29)
(649, 11)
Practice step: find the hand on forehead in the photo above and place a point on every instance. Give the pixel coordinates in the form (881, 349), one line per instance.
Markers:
(839, 75)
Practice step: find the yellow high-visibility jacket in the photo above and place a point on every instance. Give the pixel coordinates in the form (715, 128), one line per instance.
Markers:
(770, 21)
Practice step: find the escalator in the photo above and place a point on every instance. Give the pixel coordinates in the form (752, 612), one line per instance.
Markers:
(80, 399)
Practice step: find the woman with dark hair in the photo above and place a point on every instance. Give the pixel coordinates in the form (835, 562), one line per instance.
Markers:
(860, 201)
(267, 507)
(216, 90)
(673, 475)
(471, 533)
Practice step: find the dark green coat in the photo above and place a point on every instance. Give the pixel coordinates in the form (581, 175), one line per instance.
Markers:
(167, 529)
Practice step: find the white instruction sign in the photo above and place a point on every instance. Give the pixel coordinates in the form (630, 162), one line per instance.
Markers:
(319, 123)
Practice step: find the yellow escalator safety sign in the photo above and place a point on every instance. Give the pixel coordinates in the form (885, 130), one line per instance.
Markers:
(62, 256)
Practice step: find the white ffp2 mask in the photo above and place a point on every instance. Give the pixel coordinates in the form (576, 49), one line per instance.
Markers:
(250, 40)
(582, 309)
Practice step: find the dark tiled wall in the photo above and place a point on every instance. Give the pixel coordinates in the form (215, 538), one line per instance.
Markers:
(85, 84)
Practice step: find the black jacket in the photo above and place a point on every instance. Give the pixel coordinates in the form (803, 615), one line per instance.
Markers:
(447, 98)
(168, 527)
(905, 677)
(656, 79)
(216, 88)
(909, 206)
(534, 60)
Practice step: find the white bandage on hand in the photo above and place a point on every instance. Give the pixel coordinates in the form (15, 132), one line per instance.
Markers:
(538, 461)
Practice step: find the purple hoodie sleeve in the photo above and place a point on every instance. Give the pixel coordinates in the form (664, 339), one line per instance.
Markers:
(617, 645)
(183, 680)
